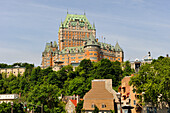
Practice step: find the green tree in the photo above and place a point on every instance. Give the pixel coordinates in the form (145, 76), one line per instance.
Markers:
(127, 70)
(46, 94)
(79, 107)
(6, 108)
(96, 109)
(154, 80)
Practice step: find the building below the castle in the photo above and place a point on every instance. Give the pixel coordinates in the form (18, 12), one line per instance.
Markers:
(77, 41)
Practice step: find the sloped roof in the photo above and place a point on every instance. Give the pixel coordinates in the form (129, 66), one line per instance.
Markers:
(77, 49)
(91, 41)
(74, 102)
(49, 46)
(105, 46)
(117, 47)
(73, 18)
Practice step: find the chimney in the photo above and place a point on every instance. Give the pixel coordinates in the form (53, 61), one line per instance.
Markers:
(167, 55)
(20, 95)
(51, 44)
(74, 97)
(78, 99)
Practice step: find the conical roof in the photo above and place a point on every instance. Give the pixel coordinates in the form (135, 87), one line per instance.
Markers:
(91, 41)
(117, 47)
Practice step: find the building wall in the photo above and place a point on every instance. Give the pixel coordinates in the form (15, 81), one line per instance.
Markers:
(128, 95)
(65, 37)
(8, 97)
(70, 108)
(15, 71)
(100, 95)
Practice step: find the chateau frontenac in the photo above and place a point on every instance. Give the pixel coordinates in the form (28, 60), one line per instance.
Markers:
(77, 41)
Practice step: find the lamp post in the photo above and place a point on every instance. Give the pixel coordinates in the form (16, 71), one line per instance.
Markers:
(11, 107)
(119, 97)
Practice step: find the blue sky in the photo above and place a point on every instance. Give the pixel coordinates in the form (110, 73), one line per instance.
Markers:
(138, 25)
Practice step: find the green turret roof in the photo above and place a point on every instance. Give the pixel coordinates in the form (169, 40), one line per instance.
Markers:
(117, 47)
(48, 48)
(73, 18)
(91, 41)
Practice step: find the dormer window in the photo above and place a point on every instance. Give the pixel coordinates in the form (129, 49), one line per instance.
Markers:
(92, 105)
(103, 105)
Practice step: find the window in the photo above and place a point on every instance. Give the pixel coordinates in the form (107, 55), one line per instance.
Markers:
(92, 50)
(134, 102)
(93, 58)
(92, 105)
(72, 61)
(103, 105)
(73, 57)
(95, 53)
(91, 53)
(118, 58)
(111, 58)
(63, 58)
(80, 57)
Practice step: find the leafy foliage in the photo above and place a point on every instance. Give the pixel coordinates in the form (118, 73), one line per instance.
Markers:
(6, 108)
(154, 80)
(96, 109)
(44, 86)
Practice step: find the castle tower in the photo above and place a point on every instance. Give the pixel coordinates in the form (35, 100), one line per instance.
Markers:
(119, 53)
(92, 48)
(72, 31)
(49, 55)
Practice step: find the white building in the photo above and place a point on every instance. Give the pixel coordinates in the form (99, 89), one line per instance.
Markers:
(8, 97)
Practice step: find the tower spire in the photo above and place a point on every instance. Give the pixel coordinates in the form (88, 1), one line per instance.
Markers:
(93, 25)
(84, 12)
(67, 11)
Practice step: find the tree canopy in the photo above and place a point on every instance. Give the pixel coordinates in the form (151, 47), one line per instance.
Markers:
(153, 81)
(43, 86)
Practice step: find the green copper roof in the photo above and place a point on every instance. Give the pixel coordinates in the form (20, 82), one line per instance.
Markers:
(78, 49)
(48, 48)
(73, 18)
(106, 46)
(91, 41)
(117, 47)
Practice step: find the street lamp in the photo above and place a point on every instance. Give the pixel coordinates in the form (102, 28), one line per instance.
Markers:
(12, 107)
(119, 97)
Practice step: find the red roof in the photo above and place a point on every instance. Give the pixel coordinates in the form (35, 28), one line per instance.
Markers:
(74, 102)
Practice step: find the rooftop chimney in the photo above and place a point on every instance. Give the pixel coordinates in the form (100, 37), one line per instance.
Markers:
(78, 99)
(167, 55)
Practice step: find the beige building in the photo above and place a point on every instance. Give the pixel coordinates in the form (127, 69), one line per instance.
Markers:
(101, 95)
(14, 70)
(72, 104)
(8, 97)
(137, 63)
(129, 96)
